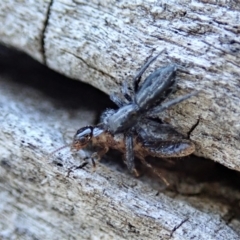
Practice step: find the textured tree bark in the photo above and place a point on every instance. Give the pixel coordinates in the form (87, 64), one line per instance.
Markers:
(41, 199)
(102, 43)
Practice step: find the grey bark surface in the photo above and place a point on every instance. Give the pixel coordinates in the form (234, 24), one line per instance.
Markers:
(41, 199)
(102, 43)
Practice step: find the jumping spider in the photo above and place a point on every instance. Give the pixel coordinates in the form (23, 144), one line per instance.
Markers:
(131, 129)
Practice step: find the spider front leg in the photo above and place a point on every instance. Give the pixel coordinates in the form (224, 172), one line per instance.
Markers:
(128, 91)
(138, 76)
(122, 98)
(117, 100)
(154, 112)
(129, 155)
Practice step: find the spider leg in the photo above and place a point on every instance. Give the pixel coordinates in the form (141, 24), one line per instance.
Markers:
(125, 97)
(138, 76)
(154, 112)
(126, 93)
(125, 90)
(117, 100)
(129, 155)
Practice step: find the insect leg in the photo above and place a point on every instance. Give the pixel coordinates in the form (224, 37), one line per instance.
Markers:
(125, 98)
(98, 155)
(95, 156)
(129, 156)
(144, 162)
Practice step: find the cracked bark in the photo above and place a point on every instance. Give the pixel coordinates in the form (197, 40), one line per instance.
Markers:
(101, 44)
(194, 126)
(42, 35)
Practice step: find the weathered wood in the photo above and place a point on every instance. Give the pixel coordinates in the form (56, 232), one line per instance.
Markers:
(23, 25)
(38, 200)
(103, 42)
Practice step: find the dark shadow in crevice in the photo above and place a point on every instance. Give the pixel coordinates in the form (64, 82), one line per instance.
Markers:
(64, 92)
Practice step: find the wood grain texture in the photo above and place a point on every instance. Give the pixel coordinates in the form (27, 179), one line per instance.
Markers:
(103, 42)
(39, 200)
(23, 25)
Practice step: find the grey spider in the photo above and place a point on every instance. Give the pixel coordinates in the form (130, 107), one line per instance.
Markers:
(144, 101)
(131, 129)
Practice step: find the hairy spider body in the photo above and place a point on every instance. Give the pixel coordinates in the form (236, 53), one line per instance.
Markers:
(156, 87)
